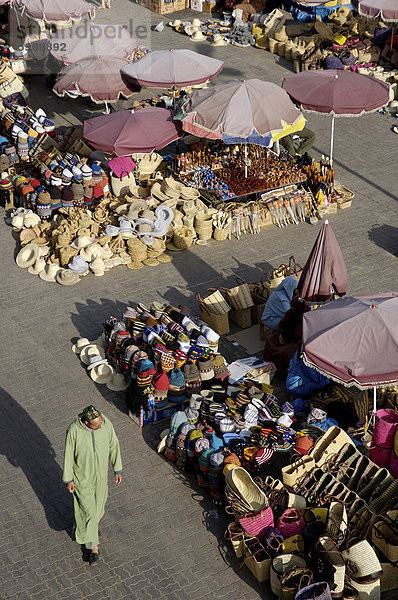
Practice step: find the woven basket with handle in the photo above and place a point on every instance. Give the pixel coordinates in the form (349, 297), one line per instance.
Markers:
(214, 303)
(239, 296)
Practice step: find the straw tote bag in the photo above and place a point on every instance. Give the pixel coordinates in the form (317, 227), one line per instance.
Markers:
(296, 470)
(239, 297)
(256, 524)
(121, 185)
(385, 536)
(281, 565)
(329, 445)
(257, 559)
(293, 581)
(214, 303)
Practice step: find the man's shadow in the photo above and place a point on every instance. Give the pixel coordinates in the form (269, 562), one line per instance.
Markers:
(27, 448)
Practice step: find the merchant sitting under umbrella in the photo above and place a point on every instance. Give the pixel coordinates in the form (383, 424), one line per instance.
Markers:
(279, 302)
(280, 346)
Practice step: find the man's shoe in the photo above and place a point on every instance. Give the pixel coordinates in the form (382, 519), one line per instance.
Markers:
(94, 557)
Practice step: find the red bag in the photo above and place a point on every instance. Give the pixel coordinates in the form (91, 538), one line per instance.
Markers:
(256, 524)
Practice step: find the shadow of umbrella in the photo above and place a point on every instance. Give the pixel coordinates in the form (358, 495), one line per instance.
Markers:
(26, 447)
(385, 236)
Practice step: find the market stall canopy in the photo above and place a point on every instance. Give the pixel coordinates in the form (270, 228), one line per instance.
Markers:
(252, 111)
(354, 340)
(168, 68)
(91, 39)
(385, 9)
(324, 268)
(55, 11)
(96, 77)
(337, 93)
(341, 93)
(126, 132)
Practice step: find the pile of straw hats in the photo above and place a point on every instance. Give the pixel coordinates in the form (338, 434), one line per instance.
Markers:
(92, 355)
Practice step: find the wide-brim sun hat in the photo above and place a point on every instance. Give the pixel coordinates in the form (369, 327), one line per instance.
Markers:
(90, 350)
(96, 360)
(118, 383)
(67, 277)
(27, 256)
(50, 272)
(82, 241)
(37, 267)
(102, 373)
(198, 36)
(78, 346)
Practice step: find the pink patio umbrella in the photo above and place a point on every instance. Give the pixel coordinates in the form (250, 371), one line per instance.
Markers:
(337, 93)
(91, 39)
(129, 132)
(325, 271)
(385, 9)
(354, 340)
(169, 68)
(96, 77)
(251, 111)
(55, 11)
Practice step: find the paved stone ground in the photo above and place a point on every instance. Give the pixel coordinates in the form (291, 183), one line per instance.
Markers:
(160, 537)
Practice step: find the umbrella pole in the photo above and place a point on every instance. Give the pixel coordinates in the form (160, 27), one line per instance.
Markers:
(106, 108)
(245, 161)
(374, 404)
(331, 141)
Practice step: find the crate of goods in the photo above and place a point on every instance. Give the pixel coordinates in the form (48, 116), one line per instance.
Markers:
(161, 7)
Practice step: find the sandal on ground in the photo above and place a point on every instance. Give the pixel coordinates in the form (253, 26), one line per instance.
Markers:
(94, 557)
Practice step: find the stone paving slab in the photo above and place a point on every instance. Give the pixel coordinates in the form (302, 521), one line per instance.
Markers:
(161, 537)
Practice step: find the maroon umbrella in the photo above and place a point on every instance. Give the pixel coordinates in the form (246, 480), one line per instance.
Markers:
(324, 268)
(335, 92)
(91, 39)
(354, 340)
(385, 9)
(55, 11)
(96, 77)
(126, 132)
(168, 68)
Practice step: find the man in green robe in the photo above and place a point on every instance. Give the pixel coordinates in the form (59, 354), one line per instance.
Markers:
(90, 443)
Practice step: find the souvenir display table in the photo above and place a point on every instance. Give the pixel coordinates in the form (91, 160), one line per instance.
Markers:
(75, 215)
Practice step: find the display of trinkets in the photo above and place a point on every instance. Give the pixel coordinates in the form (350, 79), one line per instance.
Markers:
(240, 169)
(289, 205)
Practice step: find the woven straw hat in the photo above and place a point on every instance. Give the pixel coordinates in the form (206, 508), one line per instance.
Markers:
(27, 256)
(82, 241)
(49, 272)
(92, 251)
(150, 262)
(135, 265)
(27, 235)
(198, 36)
(37, 267)
(67, 277)
(65, 255)
(117, 383)
(90, 350)
(102, 373)
(165, 258)
(97, 266)
(79, 345)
